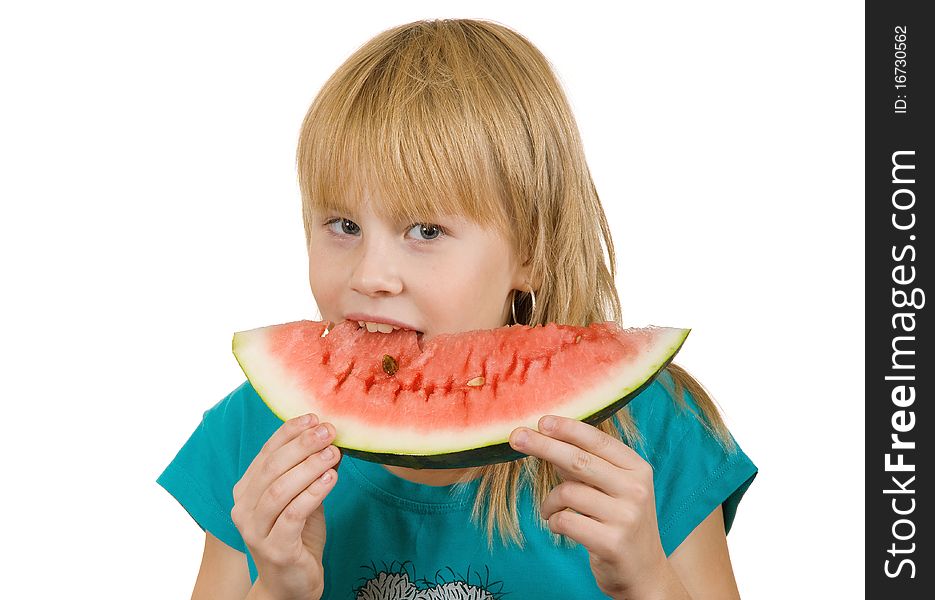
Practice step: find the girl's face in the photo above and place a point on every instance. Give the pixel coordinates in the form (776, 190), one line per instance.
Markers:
(447, 276)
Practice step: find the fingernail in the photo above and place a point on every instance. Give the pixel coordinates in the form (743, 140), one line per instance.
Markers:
(520, 438)
(322, 432)
(547, 424)
(327, 453)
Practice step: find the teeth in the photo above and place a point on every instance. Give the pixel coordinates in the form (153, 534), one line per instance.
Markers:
(381, 327)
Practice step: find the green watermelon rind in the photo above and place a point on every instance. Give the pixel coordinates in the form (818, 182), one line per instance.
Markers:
(483, 453)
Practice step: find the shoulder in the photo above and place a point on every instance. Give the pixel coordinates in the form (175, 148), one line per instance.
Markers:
(241, 403)
(215, 456)
(661, 420)
(240, 423)
(694, 472)
(221, 447)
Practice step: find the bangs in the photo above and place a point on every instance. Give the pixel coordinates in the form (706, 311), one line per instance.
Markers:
(403, 127)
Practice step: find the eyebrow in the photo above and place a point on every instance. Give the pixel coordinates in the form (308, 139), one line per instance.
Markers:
(333, 206)
(344, 208)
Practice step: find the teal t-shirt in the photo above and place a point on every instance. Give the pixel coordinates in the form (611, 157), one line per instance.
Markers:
(391, 538)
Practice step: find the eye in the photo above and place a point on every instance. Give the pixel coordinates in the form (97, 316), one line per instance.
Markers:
(429, 231)
(347, 226)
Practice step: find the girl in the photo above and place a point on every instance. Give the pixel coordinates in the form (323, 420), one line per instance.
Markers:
(444, 189)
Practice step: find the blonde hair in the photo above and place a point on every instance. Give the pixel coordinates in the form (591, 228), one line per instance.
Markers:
(464, 116)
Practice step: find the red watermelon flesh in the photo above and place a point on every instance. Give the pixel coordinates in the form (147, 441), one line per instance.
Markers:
(453, 400)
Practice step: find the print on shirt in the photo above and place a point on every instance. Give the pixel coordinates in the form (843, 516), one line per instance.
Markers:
(398, 583)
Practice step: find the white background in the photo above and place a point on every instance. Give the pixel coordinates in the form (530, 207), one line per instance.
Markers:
(150, 209)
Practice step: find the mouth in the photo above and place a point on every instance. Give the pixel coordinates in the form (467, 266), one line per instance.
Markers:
(382, 326)
(374, 327)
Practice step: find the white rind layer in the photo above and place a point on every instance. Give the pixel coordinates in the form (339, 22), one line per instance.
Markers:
(268, 377)
(270, 380)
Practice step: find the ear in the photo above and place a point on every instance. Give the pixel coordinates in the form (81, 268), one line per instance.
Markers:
(522, 277)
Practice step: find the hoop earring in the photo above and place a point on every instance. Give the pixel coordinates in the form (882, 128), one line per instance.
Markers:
(513, 304)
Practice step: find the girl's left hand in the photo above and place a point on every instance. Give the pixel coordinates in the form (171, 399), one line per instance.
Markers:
(606, 503)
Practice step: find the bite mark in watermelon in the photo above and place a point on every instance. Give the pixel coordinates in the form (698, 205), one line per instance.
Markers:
(452, 401)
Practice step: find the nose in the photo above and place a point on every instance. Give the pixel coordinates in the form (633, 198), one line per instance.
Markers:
(376, 271)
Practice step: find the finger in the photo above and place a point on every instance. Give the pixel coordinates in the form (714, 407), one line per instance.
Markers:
(276, 499)
(581, 498)
(576, 464)
(593, 535)
(590, 438)
(279, 462)
(286, 432)
(290, 523)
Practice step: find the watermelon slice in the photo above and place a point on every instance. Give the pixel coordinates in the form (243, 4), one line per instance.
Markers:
(453, 400)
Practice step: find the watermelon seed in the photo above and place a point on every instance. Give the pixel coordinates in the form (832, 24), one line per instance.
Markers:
(389, 365)
(577, 339)
(476, 381)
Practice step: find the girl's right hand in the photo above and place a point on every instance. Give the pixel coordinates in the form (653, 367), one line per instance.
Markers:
(278, 507)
